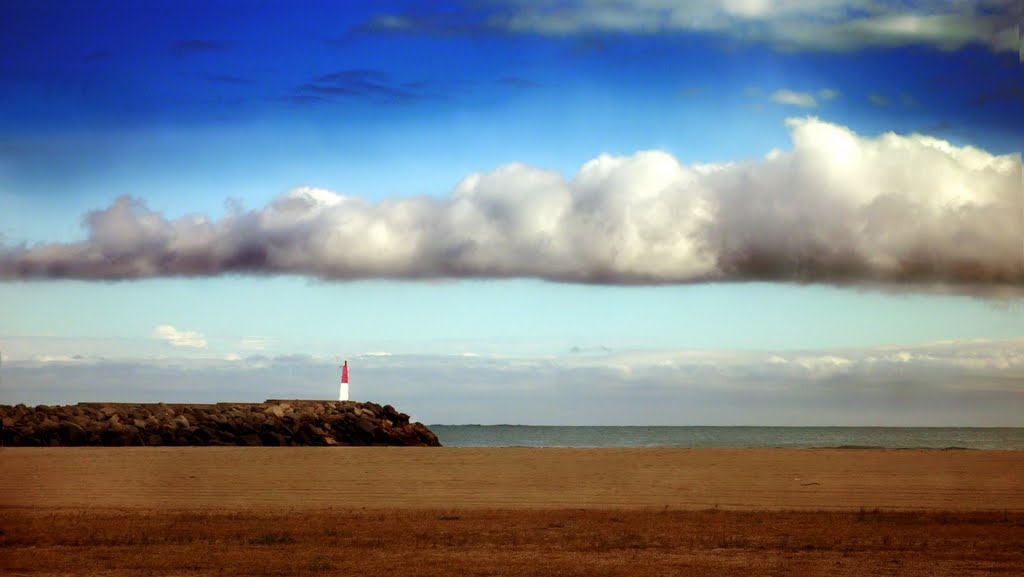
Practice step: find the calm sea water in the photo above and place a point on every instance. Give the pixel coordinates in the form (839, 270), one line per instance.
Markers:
(736, 437)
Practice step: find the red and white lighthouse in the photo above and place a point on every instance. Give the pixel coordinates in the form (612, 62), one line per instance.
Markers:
(343, 391)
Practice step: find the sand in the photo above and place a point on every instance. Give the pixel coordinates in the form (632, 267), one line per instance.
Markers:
(316, 478)
(516, 512)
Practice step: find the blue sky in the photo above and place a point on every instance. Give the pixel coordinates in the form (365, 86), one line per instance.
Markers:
(204, 187)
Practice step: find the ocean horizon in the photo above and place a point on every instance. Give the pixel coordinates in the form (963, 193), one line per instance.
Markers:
(739, 437)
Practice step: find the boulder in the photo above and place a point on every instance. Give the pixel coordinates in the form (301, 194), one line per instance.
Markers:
(365, 425)
(71, 433)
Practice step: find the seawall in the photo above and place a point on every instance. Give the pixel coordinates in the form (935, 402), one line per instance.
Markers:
(271, 423)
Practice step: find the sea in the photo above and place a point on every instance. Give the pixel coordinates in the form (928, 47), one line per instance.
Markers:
(950, 438)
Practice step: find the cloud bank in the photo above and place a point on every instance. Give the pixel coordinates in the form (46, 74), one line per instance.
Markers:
(831, 25)
(956, 383)
(904, 211)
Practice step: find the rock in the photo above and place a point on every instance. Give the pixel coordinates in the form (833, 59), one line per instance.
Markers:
(272, 439)
(365, 425)
(250, 440)
(47, 425)
(205, 434)
(274, 423)
(72, 433)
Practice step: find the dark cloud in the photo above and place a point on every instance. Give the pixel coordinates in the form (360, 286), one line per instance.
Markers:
(1009, 91)
(518, 82)
(299, 100)
(907, 212)
(196, 46)
(98, 55)
(228, 79)
(358, 83)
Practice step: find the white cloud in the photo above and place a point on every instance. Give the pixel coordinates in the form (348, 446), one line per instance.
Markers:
(792, 98)
(899, 211)
(824, 365)
(58, 359)
(878, 100)
(180, 338)
(834, 25)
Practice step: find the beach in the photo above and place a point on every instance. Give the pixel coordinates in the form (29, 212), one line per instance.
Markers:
(511, 511)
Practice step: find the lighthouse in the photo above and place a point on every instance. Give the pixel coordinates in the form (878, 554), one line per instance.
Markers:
(343, 390)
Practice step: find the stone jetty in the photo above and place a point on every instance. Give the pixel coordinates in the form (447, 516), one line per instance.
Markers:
(284, 423)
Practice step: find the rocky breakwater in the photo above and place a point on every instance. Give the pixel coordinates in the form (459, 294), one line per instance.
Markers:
(273, 423)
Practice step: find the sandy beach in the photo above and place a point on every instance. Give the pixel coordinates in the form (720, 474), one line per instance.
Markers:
(460, 511)
(510, 478)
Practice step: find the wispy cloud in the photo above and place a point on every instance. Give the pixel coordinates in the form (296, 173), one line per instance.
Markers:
(691, 92)
(829, 94)
(518, 82)
(1006, 91)
(792, 98)
(878, 100)
(833, 25)
(228, 79)
(180, 338)
(359, 83)
(909, 212)
(256, 343)
(98, 56)
(196, 46)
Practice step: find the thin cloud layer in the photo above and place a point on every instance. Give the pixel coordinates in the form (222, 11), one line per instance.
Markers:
(831, 25)
(902, 211)
(965, 383)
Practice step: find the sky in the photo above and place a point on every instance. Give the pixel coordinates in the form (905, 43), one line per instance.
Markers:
(588, 212)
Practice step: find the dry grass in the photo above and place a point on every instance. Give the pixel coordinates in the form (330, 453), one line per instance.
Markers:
(512, 543)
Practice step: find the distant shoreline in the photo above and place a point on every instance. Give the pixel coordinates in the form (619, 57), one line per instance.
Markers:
(740, 437)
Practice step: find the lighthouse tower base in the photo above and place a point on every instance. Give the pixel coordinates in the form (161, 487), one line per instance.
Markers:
(343, 392)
